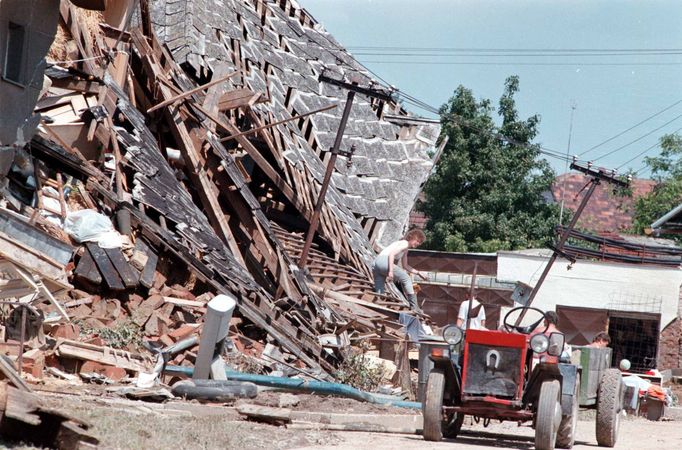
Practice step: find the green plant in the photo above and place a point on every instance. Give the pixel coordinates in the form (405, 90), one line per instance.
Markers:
(360, 372)
(121, 336)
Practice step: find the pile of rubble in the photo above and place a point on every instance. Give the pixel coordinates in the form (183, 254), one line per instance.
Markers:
(151, 186)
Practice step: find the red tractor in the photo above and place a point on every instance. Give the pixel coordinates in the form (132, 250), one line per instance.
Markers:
(517, 374)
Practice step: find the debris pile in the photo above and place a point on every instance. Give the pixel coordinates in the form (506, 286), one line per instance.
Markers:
(152, 187)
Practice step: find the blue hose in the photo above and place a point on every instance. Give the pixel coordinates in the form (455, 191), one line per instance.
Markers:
(310, 387)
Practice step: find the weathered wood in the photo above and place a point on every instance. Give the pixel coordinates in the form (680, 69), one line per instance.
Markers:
(147, 275)
(87, 269)
(104, 355)
(109, 273)
(191, 92)
(127, 274)
(7, 369)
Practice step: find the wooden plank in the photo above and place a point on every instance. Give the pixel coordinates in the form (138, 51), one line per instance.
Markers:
(87, 269)
(238, 98)
(183, 302)
(127, 274)
(111, 277)
(147, 275)
(104, 355)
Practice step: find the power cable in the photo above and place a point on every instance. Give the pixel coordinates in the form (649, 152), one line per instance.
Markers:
(484, 63)
(645, 151)
(632, 127)
(529, 50)
(638, 139)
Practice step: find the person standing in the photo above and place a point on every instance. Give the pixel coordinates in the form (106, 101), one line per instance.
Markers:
(386, 268)
(477, 321)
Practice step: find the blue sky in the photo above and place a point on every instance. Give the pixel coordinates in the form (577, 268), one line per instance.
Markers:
(611, 91)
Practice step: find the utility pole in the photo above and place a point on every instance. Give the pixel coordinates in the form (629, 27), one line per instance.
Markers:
(353, 89)
(597, 176)
(568, 151)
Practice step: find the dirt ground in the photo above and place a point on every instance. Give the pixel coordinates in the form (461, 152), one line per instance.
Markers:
(635, 434)
(126, 424)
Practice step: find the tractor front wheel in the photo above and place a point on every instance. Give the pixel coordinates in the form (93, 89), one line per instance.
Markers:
(432, 408)
(567, 427)
(608, 407)
(548, 415)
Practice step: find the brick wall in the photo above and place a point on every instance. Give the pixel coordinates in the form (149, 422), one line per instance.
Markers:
(670, 343)
(605, 212)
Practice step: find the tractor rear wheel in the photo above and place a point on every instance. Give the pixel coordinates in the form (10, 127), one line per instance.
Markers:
(432, 408)
(567, 428)
(548, 415)
(608, 407)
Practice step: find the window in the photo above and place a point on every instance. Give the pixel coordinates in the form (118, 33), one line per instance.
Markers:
(14, 57)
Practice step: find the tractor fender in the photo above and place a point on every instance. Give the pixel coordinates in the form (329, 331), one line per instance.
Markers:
(453, 380)
(570, 374)
(541, 373)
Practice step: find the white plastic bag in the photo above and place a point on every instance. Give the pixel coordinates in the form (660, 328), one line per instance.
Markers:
(88, 225)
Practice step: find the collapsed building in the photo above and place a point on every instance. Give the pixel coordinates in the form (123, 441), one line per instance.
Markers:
(171, 151)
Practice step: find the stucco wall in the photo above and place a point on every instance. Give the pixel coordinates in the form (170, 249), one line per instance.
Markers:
(595, 284)
(39, 17)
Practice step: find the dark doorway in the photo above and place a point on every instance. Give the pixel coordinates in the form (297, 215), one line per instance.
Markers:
(634, 336)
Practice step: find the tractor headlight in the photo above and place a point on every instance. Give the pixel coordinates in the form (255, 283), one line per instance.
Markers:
(539, 343)
(556, 344)
(452, 334)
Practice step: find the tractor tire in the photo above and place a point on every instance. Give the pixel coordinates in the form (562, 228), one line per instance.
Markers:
(452, 428)
(567, 428)
(432, 408)
(548, 415)
(608, 407)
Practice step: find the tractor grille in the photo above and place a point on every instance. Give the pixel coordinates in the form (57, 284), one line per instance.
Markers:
(492, 370)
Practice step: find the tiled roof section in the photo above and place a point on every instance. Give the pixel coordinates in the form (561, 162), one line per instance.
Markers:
(285, 51)
(605, 212)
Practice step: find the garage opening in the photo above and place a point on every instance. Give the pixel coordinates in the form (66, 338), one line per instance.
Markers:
(634, 335)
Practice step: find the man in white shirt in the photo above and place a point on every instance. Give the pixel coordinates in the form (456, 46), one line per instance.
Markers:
(477, 321)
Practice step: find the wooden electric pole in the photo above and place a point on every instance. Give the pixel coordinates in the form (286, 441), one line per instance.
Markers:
(352, 89)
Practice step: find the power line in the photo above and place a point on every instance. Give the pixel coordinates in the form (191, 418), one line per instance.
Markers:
(530, 50)
(638, 139)
(645, 151)
(632, 127)
(499, 54)
(484, 63)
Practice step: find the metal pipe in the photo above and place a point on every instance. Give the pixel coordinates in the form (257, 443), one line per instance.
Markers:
(311, 387)
(325, 182)
(564, 236)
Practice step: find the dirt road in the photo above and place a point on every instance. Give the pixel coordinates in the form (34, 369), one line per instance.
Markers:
(634, 434)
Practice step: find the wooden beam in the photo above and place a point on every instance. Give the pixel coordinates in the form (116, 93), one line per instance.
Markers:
(191, 92)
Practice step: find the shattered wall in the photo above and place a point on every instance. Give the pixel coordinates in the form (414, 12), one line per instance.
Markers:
(282, 52)
(27, 29)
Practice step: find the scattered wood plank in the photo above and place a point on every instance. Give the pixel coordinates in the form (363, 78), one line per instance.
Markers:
(109, 273)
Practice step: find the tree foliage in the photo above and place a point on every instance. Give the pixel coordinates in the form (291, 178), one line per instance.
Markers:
(666, 169)
(488, 193)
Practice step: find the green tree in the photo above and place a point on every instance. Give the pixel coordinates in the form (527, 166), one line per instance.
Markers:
(666, 169)
(488, 193)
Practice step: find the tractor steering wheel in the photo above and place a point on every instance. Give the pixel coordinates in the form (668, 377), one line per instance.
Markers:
(509, 325)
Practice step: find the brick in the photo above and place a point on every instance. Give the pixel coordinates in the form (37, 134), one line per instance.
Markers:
(111, 372)
(66, 331)
(159, 280)
(33, 362)
(182, 332)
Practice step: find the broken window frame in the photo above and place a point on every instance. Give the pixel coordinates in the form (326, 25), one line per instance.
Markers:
(20, 79)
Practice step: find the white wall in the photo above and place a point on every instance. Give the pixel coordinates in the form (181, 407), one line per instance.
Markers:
(594, 284)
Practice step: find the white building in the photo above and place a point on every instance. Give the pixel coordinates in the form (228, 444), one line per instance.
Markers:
(632, 302)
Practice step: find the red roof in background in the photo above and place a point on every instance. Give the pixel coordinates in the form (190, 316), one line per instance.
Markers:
(605, 213)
